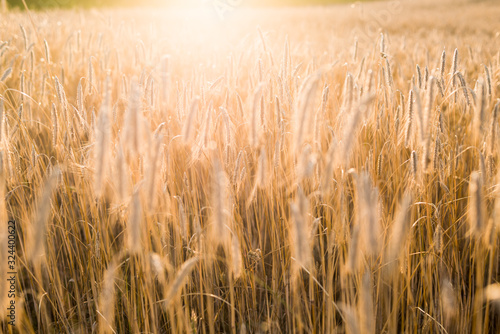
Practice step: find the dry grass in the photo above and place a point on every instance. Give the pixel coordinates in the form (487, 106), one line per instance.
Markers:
(287, 170)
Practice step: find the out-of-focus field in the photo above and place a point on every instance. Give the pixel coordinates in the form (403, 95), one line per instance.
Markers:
(322, 170)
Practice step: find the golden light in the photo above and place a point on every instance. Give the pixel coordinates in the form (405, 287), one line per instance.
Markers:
(209, 9)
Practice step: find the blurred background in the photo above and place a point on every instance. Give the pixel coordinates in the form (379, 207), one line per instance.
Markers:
(41, 4)
(34, 4)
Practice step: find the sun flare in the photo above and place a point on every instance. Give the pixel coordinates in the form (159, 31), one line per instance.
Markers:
(219, 167)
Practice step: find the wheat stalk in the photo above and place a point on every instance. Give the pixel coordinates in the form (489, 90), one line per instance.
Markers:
(488, 80)
(454, 68)
(183, 272)
(189, 124)
(102, 145)
(476, 204)
(409, 122)
(302, 116)
(442, 67)
(220, 205)
(464, 87)
(254, 128)
(425, 123)
(236, 257)
(47, 52)
(367, 209)
(494, 125)
(300, 241)
(107, 299)
(479, 111)
(41, 217)
(6, 74)
(54, 125)
(366, 309)
(134, 224)
(154, 157)
(399, 230)
(132, 123)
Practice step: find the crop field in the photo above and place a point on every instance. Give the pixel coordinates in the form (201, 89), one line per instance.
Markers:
(328, 169)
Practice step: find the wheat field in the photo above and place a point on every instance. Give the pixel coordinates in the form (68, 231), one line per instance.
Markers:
(283, 170)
